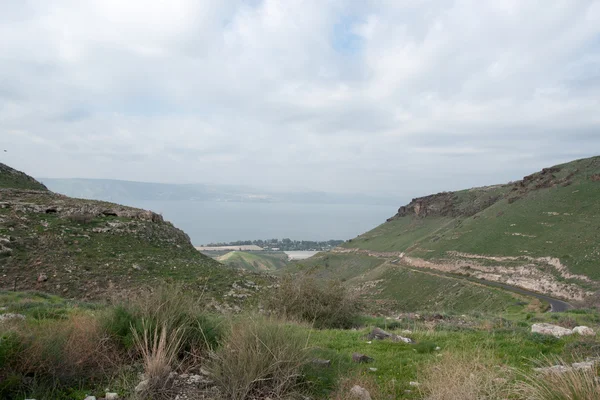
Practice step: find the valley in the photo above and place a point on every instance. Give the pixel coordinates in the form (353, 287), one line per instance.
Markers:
(449, 295)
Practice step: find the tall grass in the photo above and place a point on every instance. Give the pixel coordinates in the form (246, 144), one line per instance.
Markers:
(325, 304)
(572, 384)
(260, 358)
(465, 376)
(159, 349)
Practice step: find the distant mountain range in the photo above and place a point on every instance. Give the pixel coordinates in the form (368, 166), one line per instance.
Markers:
(120, 191)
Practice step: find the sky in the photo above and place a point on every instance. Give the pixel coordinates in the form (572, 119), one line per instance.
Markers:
(385, 97)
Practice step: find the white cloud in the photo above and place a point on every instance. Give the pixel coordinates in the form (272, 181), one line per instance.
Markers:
(385, 96)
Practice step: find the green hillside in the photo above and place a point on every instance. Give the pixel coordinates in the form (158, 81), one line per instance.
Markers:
(11, 178)
(91, 249)
(540, 233)
(254, 261)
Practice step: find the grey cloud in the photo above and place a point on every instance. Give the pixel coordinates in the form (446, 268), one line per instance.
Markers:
(434, 95)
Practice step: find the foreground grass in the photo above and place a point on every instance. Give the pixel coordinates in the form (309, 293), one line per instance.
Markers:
(502, 343)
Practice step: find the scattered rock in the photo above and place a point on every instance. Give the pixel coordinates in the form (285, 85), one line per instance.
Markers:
(321, 363)
(413, 383)
(584, 331)
(549, 329)
(42, 277)
(589, 365)
(358, 392)
(111, 396)
(142, 386)
(361, 358)
(380, 334)
(373, 369)
(8, 316)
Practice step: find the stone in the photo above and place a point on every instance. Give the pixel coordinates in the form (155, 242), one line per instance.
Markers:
(549, 329)
(321, 363)
(584, 365)
(205, 372)
(360, 393)
(42, 277)
(373, 369)
(555, 369)
(111, 396)
(361, 358)
(142, 386)
(90, 398)
(380, 334)
(584, 331)
(9, 316)
(413, 383)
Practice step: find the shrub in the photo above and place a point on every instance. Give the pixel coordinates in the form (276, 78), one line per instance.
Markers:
(326, 304)
(259, 358)
(65, 351)
(169, 306)
(579, 384)
(465, 376)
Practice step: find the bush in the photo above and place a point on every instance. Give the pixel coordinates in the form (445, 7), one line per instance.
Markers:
(579, 384)
(325, 304)
(259, 358)
(65, 351)
(169, 306)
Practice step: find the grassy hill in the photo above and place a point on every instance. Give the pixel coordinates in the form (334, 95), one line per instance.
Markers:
(11, 178)
(541, 233)
(254, 261)
(91, 249)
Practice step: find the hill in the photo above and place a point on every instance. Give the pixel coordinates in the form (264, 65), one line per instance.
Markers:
(540, 233)
(255, 261)
(91, 249)
(11, 178)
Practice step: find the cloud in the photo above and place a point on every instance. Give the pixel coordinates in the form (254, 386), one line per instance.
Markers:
(383, 96)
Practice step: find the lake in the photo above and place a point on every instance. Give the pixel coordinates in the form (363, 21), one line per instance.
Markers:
(207, 222)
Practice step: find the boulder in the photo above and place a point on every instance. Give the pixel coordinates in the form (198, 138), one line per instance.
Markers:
(360, 393)
(584, 331)
(549, 329)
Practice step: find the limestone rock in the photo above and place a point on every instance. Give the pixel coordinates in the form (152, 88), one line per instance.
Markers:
(380, 334)
(111, 396)
(321, 363)
(549, 329)
(584, 331)
(142, 386)
(360, 393)
(42, 277)
(9, 316)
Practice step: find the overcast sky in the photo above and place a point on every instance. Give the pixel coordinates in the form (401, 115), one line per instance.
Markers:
(400, 97)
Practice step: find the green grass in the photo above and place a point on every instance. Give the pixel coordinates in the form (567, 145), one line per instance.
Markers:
(13, 179)
(559, 221)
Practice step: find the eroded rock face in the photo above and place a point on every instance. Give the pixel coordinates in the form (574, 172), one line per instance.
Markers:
(549, 329)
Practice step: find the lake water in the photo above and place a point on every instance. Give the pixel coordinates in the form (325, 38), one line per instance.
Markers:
(207, 222)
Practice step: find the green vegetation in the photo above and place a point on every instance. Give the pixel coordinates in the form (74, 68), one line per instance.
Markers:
(257, 261)
(13, 179)
(553, 213)
(389, 287)
(50, 356)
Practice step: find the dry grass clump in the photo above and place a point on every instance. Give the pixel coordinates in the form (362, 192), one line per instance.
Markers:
(259, 358)
(326, 304)
(71, 349)
(572, 384)
(465, 376)
(159, 348)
